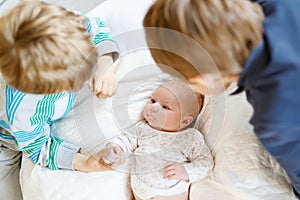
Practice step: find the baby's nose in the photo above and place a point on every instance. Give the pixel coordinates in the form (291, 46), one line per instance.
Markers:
(155, 107)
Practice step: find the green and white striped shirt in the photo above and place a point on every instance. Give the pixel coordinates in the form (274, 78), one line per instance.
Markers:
(27, 118)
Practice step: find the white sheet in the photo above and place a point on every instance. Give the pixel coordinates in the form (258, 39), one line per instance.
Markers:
(243, 169)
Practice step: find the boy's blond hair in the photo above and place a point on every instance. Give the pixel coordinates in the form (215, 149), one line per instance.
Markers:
(227, 29)
(44, 49)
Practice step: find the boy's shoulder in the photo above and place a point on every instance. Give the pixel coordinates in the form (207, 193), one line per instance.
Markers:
(10, 95)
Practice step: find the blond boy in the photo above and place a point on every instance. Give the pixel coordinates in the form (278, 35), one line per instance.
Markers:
(46, 54)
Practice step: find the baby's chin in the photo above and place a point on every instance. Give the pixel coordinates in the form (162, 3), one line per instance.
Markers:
(159, 128)
(152, 125)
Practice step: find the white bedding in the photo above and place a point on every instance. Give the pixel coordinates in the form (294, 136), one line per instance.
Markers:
(243, 169)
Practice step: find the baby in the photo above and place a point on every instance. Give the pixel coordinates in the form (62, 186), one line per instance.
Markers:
(167, 155)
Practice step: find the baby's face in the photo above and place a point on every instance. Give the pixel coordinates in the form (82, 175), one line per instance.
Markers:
(163, 110)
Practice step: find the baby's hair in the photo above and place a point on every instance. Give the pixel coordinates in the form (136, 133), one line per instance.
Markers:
(227, 30)
(187, 97)
(44, 48)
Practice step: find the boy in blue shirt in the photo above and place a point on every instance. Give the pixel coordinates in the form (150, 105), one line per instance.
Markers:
(253, 42)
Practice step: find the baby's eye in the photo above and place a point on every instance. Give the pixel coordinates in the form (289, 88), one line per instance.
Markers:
(166, 107)
(152, 100)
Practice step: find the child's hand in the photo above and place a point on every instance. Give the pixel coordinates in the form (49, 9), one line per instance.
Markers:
(113, 154)
(104, 81)
(176, 170)
(84, 163)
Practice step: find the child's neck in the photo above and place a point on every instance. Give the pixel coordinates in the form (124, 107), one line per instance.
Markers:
(228, 79)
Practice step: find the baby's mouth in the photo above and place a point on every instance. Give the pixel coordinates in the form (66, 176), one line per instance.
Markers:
(150, 118)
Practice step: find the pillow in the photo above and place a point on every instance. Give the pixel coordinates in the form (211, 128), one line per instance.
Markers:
(122, 16)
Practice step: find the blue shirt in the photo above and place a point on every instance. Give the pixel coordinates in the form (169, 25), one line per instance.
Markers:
(271, 79)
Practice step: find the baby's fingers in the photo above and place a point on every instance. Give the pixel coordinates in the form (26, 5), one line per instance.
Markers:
(98, 86)
(169, 170)
(105, 90)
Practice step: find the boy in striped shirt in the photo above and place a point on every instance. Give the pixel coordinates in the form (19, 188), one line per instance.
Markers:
(46, 54)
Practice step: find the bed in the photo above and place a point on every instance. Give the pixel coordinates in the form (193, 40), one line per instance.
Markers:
(243, 168)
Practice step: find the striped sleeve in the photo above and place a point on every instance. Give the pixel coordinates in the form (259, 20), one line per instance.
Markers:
(101, 37)
(30, 117)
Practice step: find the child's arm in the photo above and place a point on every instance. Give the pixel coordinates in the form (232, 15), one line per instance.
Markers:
(111, 156)
(90, 164)
(104, 81)
(105, 160)
(30, 118)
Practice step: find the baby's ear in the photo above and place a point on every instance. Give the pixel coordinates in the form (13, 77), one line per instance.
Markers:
(187, 120)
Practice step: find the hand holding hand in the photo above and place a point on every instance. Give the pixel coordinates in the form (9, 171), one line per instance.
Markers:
(113, 154)
(84, 163)
(174, 170)
(104, 81)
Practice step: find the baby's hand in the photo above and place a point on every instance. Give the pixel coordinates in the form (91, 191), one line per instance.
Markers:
(104, 81)
(113, 154)
(174, 170)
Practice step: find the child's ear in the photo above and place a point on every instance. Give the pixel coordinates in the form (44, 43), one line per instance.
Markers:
(187, 120)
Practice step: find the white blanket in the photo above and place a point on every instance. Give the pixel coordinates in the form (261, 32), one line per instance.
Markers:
(243, 169)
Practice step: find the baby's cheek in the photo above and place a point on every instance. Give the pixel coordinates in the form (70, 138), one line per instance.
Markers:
(162, 119)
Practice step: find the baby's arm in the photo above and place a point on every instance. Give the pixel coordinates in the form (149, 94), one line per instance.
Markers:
(200, 161)
(114, 151)
(104, 81)
(200, 157)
